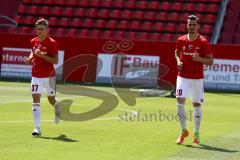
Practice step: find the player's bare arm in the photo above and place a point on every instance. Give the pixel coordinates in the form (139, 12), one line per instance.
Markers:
(29, 59)
(49, 59)
(179, 63)
(208, 60)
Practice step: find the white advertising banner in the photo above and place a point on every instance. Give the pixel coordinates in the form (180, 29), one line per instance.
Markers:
(14, 66)
(223, 74)
(128, 69)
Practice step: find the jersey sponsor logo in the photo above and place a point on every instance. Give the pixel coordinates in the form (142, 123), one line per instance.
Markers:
(189, 53)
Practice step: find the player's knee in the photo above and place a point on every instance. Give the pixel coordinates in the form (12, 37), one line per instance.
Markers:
(181, 101)
(196, 105)
(51, 100)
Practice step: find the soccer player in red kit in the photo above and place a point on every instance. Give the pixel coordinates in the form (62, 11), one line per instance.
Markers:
(43, 57)
(192, 51)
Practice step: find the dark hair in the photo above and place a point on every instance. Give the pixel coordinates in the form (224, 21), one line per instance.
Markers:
(41, 22)
(193, 18)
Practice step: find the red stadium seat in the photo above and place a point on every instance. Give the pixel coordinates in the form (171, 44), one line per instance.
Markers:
(139, 15)
(64, 22)
(12, 30)
(207, 29)
(136, 25)
(147, 26)
(116, 14)
(53, 21)
(29, 20)
(96, 3)
(184, 17)
(144, 36)
(127, 14)
(150, 15)
(159, 26)
(84, 33)
(22, 9)
(123, 25)
(68, 12)
(49, 2)
(76, 22)
(103, 13)
(162, 16)
(72, 3)
(167, 37)
(212, 8)
(171, 27)
(45, 10)
(132, 35)
(18, 19)
(27, 1)
(60, 2)
(200, 16)
(121, 35)
(80, 12)
(177, 6)
(56, 11)
(142, 5)
(96, 33)
(60, 32)
(92, 12)
(166, 6)
(108, 34)
(119, 4)
(189, 7)
(38, 2)
(174, 16)
(154, 5)
(84, 3)
(155, 37)
(201, 7)
(209, 18)
(130, 4)
(89, 23)
(72, 32)
(107, 3)
(182, 28)
(25, 30)
(100, 24)
(112, 24)
(34, 10)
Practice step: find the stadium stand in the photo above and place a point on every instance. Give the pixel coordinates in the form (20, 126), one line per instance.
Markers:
(119, 19)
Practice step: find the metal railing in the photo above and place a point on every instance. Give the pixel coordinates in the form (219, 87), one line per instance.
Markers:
(11, 22)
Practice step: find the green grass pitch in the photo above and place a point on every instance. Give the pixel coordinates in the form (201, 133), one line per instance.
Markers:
(111, 138)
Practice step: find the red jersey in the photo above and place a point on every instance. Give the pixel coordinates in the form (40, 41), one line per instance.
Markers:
(41, 68)
(192, 69)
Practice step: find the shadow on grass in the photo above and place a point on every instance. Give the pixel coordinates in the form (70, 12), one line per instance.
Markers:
(61, 137)
(211, 148)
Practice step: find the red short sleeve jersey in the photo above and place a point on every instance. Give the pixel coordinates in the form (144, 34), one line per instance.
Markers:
(192, 69)
(41, 68)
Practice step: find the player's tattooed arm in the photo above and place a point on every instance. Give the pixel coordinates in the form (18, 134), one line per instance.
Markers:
(49, 59)
(179, 63)
(208, 60)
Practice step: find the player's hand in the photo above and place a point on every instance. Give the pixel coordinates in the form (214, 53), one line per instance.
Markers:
(37, 52)
(179, 65)
(28, 60)
(196, 57)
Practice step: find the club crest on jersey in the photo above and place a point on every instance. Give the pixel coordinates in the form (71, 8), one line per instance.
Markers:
(190, 47)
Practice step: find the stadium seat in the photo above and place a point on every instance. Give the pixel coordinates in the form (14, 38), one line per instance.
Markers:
(53, 21)
(171, 27)
(49, 2)
(121, 35)
(60, 2)
(72, 32)
(100, 24)
(183, 17)
(112, 24)
(167, 37)
(119, 4)
(45, 10)
(139, 15)
(89, 23)
(116, 14)
(142, 5)
(12, 30)
(132, 35)
(34, 10)
(123, 25)
(189, 7)
(210, 18)
(162, 16)
(22, 9)
(27, 1)
(76, 22)
(84, 33)
(84, 3)
(165, 6)
(80, 12)
(127, 14)
(18, 19)
(174, 16)
(154, 5)
(107, 4)
(144, 36)
(135, 25)
(96, 33)
(38, 2)
(56, 11)
(150, 16)
(96, 3)
(72, 3)
(155, 37)
(182, 28)
(29, 20)
(201, 8)
(60, 32)
(177, 6)
(103, 13)
(130, 4)
(206, 29)
(212, 8)
(108, 34)
(25, 30)
(64, 22)
(159, 27)
(68, 12)
(92, 13)
(147, 26)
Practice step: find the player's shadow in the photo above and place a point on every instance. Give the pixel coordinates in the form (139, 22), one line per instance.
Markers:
(217, 149)
(61, 137)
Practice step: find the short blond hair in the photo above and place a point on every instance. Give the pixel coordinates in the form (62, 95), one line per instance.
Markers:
(42, 22)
